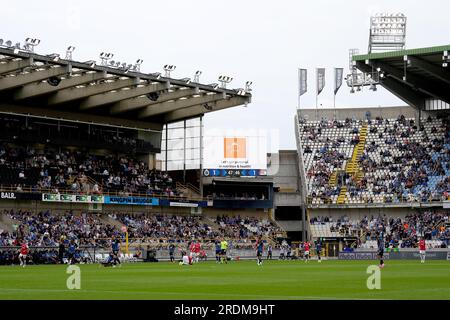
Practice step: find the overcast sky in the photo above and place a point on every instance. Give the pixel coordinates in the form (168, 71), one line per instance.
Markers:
(258, 40)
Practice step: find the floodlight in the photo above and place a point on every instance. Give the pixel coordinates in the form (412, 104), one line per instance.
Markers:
(117, 64)
(1, 42)
(54, 81)
(197, 76)
(112, 62)
(168, 68)
(104, 56)
(137, 65)
(445, 64)
(8, 43)
(69, 51)
(30, 43)
(214, 85)
(248, 85)
(224, 80)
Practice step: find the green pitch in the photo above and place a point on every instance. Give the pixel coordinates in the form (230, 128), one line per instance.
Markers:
(235, 280)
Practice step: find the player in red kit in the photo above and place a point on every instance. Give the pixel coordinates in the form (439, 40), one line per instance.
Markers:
(192, 249)
(306, 247)
(23, 252)
(422, 248)
(197, 249)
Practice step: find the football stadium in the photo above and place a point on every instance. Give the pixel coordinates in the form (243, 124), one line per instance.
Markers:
(114, 187)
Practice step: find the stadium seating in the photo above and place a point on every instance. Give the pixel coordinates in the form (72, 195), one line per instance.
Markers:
(21, 166)
(403, 233)
(376, 161)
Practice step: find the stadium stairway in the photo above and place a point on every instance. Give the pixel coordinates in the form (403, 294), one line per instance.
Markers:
(111, 221)
(342, 195)
(352, 166)
(333, 178)
(210, 222)
(188, 190)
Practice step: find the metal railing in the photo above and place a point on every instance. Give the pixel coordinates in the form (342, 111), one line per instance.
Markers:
(29, 189)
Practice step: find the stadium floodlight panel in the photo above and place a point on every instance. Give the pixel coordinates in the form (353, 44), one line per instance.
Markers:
(225, 79)
(70, 48)
(198, 72)
(8, 43)
(169, 67)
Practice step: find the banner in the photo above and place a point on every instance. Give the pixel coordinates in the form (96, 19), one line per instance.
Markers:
(131, 201)
(338, 76)
(20, 196)
(73, 198)
(183, 204)
(302, 81)
(320, 80)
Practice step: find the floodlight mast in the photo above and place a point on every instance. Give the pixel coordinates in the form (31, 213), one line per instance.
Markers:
(197, 76)
(224, 80)
(387, 32)
(30, 43)
(69, 52)
(168, 68)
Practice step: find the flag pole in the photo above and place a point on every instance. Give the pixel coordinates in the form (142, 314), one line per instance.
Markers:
(317, 94)
(299, 88)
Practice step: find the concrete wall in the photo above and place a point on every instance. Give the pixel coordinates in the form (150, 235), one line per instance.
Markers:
(359, 213)
(283, 167)
(360, 113)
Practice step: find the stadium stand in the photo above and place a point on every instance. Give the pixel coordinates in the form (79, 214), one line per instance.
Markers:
(433, 225)
(376, 161)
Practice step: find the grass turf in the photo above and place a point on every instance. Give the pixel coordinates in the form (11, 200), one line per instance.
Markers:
(235, 280)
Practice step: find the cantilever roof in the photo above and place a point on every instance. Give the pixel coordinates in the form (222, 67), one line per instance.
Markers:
(41, 85)
(421, 78)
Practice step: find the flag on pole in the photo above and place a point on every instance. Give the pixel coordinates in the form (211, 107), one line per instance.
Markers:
(320, 80)
(338, 76)
(302, 80)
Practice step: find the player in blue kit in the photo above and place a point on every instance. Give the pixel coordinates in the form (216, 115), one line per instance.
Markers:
(259, 250)
(381, 246)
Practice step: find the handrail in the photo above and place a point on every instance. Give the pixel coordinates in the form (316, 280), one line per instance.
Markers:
(29, 189)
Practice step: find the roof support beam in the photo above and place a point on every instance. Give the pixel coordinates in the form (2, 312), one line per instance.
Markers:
(398, 88)
(78, 117)
(437, 72)
(36, 89)
(67, 95)
(141, 102)
(111, 97)
(431, 88)
(25, 78)
(13, 65)
(169, 106)
(197, 110)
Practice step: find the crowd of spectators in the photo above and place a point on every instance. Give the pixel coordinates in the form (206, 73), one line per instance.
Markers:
(399, 232)
(246, 228)
(402, 160)
(23, 166)
(44, 231)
